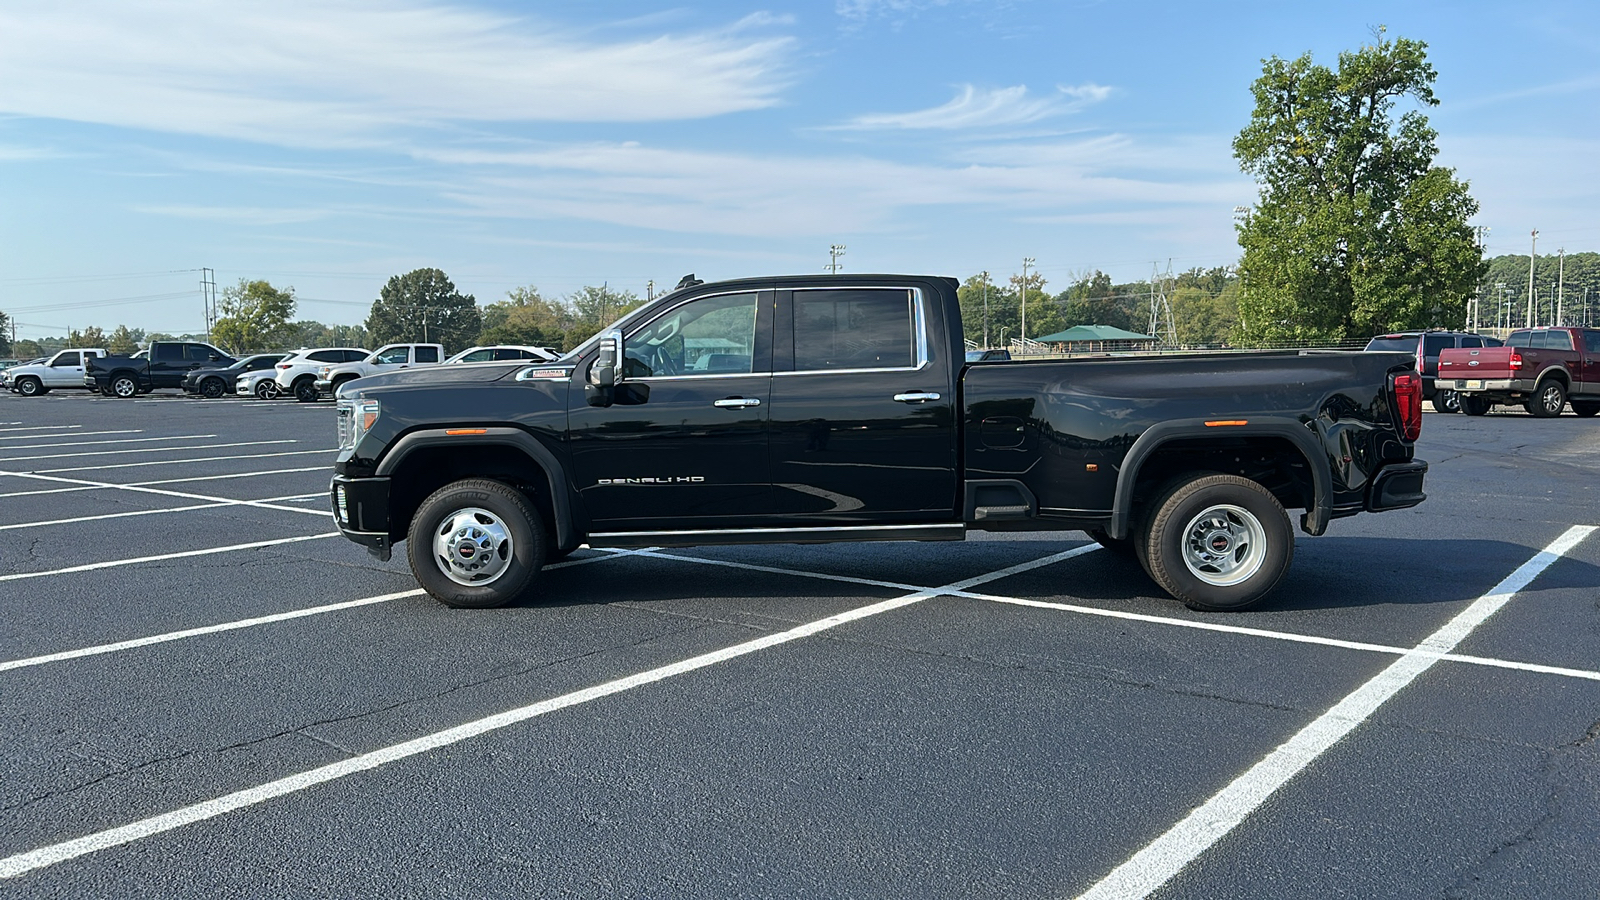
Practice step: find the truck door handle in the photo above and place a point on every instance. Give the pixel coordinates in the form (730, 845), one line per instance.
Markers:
(736, 403)
(916, 397)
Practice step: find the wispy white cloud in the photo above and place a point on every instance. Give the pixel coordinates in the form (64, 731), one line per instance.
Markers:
(732, 194)
(976, 108)
(306, 73)
(238, 215)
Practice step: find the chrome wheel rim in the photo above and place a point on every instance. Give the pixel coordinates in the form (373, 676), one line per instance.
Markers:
(472, 547)
(1552, 399)
(28, 387)
(1452, 401)
(1224, 545)
(267, 389)
(123, 387)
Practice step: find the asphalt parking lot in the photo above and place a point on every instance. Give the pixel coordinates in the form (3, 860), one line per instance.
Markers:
(205, 692)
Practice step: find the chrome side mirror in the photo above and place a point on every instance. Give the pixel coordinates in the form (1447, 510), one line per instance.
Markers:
(607, 368)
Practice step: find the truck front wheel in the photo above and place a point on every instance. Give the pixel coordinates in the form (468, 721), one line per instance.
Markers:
(1217, 542)
(476, 544)
(28, 386)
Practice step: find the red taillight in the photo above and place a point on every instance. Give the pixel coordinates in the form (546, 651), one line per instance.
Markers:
(1516, 360)
(283, 365)
(1408, 403)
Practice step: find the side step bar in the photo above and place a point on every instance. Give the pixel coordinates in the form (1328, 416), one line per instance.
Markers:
(814, 535)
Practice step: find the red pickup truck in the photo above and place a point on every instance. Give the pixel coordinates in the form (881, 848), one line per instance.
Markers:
(1541, 368)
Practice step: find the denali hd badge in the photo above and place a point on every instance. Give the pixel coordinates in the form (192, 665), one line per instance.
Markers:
(673, 479)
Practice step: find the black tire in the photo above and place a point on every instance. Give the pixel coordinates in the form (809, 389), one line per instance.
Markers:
(490, 530)
(1102, 537)
(267, 389)
(341, 383)
(1585, 408)
(124, 386)
(29, 386)
(1473, 405)
(1217, 542)
(1446, 401)
(213, 388)
(1548, 399)
(305, 390)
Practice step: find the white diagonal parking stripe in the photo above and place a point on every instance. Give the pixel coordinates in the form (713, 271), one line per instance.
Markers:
(220, 504)
(12, 459)
(174, 462)
(23, 863)
(135, 643)
(1170, 853)
(207, 551)
(70, 435)
(142, 488)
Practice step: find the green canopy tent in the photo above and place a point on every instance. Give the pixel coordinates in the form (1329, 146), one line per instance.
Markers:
(1117, 338)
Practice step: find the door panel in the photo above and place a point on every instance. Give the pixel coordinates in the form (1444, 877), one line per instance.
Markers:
(683, 444)
(844, 449)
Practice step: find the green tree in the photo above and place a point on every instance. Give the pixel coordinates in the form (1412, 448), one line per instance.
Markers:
(26, 349)
(122, 341)
(1570, 287)
(987, 308)
(423, 305)
(1356, 231)
(526, 317)
(93, 336)
(1094, 300)
(253, 316)
(593, 308)
(5, 335)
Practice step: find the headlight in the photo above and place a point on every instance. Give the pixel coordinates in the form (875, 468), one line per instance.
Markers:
(356, 418)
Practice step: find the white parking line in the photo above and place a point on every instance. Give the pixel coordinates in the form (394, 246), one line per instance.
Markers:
(134, 643)
(70, 434)
(22, 863)
(208, 551)
(174, 462)
(142, 489)
(100, 486)
(12, 459)
(45, 523)
(1289, 636)
(55, 428)
(1170, 853)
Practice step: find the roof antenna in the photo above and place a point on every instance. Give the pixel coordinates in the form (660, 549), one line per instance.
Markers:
(687, 281)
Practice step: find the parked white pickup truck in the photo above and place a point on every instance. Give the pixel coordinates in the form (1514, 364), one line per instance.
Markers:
(387, 358)
(64, 370)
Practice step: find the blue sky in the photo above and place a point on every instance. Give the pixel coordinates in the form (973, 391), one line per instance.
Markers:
(329, 145)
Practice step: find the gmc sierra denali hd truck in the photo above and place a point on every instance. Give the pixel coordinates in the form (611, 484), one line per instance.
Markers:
(810, 409)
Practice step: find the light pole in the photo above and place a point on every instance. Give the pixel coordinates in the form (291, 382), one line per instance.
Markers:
(985, 275)
(1026, 262)
(1533, 254)
(834, 252)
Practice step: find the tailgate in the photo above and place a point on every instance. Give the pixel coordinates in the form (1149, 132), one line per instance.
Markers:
(1477, 363)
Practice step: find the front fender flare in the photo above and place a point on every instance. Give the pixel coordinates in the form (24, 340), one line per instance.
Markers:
(555, 473)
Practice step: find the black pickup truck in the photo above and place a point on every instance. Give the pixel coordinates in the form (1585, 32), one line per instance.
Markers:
(163, 365)
(811, 409)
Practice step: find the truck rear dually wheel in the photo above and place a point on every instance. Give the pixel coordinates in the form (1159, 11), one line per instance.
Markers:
(476, 544)
(124, 386)
(1217, 542)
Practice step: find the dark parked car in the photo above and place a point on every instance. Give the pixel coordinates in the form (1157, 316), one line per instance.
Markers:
(987, 355)
(1425, 346)
(212, 382)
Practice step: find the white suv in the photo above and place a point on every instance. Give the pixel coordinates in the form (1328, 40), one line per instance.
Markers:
(297, 375)
(387, 358)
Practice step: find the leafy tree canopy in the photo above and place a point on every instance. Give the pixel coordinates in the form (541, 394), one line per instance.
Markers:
(1356, 231)
(423, 306)
(253, 316)
(122, 341)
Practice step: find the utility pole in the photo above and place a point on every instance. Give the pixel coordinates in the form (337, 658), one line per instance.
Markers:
(1026, 262)
(208, 298)
(1561, 285)
(1533, 254)
(834, 252)
(986, 309)
(650, 289)
(1475, 315)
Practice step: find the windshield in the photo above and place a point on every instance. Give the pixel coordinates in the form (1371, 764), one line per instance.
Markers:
(1400, 343)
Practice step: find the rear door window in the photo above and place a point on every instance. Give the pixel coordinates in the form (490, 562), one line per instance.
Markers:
(166, 353)
(329, 356)
(854, 329)
(1558, 340)
(1472, 342)
(427, 354)
(350, 355)
(1521, 339)
(1591, 341)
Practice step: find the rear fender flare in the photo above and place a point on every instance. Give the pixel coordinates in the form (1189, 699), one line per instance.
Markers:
(555, 474)
(1315, 520)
